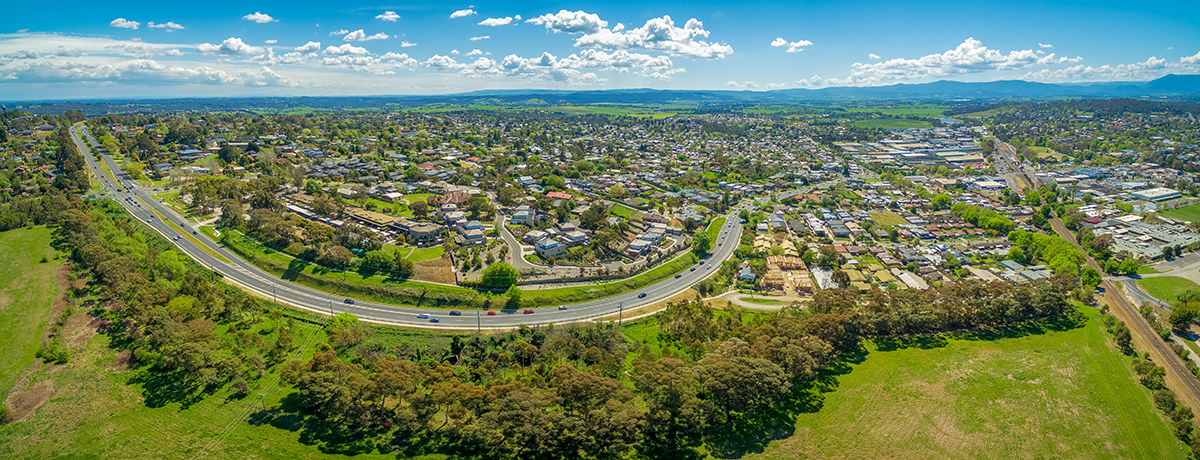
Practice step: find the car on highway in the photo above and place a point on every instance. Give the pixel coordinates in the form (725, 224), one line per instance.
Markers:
(642, 295)
(562, 307)
(434, 320)
(528, 311)
(349, 301)
(491, 313)
(455, 313)
(692, 269)
(706, 267)
(423, 315)
(679, 275)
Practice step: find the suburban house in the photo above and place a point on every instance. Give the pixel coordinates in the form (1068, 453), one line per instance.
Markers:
(418, 233)
(549, 247)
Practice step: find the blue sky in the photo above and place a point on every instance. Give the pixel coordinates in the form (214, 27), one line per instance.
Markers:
(182, 49)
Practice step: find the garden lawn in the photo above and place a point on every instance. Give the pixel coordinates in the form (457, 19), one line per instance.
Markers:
(619, 209)
(26, 290)
(1186, 213)
(1165, 288)
(1058, 394)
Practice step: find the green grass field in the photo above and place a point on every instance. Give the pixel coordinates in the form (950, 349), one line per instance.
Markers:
(621, 210)
(416, 254)
(887, 218)
(892, 123)
(1186, 213)
(98, 412)
(1165, 288)
(26, 290)
(1059, 394)
(921, 110)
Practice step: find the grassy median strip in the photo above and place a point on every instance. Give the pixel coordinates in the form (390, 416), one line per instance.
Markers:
(380, 288)
(186, 234)
(585, 293)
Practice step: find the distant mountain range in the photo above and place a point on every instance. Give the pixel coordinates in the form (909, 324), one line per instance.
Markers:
(1174, 86)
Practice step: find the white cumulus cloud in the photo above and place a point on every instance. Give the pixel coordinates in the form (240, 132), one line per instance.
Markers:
(1151, 69)
(499, 21)
(873, 56)
(166, 25)
(793, 47)
(389, 16)
(310, 47)
(339, 32)
(270, 42)
(461, 14)
(344, 50)
(658, 34)
(232, 46)
(969, 57)
(360, 36)
(121, 23)
(475, 52)
(571, 22)
(259, 18)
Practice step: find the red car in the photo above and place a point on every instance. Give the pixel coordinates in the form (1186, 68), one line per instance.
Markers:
(528, 311)
(491, 313)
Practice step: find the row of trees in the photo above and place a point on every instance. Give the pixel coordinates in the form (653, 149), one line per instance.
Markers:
(564, 391)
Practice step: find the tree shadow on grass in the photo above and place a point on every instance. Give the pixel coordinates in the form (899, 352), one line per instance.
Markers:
(752, 433)
(162, 388)
(328, 437)
(294, 269)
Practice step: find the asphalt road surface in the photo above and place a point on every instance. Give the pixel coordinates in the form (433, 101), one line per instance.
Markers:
(142, 205)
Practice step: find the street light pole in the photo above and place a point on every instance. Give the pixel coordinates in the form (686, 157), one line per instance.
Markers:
(620, 312)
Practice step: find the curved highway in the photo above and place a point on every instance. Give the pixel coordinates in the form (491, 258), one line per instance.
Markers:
(143, 206)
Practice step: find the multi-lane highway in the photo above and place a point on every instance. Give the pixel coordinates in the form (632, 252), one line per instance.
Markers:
(145, 207)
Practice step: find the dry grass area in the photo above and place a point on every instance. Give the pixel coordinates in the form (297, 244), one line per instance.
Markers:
(436, 270)
(1059, 394)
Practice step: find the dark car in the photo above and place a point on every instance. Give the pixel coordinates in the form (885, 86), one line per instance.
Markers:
(455, 313)
(642, 295)
(349, 301)
(434, 320)
(562, 307)
(692, 269)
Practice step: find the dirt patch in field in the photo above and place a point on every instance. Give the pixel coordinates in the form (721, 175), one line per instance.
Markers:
(81, 327)
(23, 404)
(436, 270)
(122, 362)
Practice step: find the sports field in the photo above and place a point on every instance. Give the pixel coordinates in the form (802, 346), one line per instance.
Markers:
(1187, 213)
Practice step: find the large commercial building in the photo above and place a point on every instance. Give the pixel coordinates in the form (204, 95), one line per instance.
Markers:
(1156, 194)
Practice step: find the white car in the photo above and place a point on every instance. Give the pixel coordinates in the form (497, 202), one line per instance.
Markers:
(423, 316)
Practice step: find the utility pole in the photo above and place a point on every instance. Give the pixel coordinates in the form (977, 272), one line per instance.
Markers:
(330, 309)
(620, 312)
